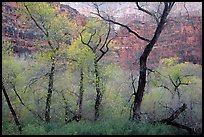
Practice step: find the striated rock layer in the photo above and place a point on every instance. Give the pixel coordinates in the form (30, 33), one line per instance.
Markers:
(181, 38)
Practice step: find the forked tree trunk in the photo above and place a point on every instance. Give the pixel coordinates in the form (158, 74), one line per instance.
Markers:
(49, 94)
(11, 109)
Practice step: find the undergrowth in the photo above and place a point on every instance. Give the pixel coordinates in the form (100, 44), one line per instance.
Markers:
(101, 127)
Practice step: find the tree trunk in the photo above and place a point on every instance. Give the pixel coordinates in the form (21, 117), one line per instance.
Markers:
(11, 108)
(98, 92)
(81, 92)
(143, 61)
(49, 94)
(140, 90)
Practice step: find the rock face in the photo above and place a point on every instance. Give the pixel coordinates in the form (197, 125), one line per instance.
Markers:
(23, 37)
(181, 37)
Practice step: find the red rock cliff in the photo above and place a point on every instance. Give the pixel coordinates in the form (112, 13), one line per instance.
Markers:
(181, 38)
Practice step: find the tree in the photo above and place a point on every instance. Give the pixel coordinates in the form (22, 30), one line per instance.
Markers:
(160, 21)
(55, 29)
(98, 46)
(6, 79)
(81, 63)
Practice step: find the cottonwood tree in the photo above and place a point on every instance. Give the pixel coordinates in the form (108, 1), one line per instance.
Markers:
(96, 36)
(81, 62)
(85, 60)
(55, 31)
(160, 20)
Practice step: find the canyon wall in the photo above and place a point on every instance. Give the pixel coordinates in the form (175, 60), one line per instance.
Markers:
(25, 37)
(181, 37)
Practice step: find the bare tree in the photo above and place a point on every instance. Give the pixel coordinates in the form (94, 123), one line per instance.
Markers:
(161, 21)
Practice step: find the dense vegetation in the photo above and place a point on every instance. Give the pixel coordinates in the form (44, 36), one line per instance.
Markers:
(72, 90)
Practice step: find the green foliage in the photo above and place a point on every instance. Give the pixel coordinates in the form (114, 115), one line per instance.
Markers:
(8, 128)
(114, 126)
(79, 52)
(160, 101)
(53, 27)
(32, 75)
(6, 49)
(33, 130)
(168, 61)
(13, 72)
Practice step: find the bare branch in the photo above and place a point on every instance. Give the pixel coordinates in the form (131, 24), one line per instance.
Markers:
(150, 70)
(148, 12)
(87, 44)
(114, 22)
(172, 81)
(91, 36)
(163, 86)
(104, 52)
(109, 29)
(65, 101)
(99, 42)
(35, 79)
(167, 107)
(105, 44)
(184, 83)
(43, 28)
(133, 82)
(186, 76)
(31, 16)
(158, 11)
(21, 101)
(155, 71)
